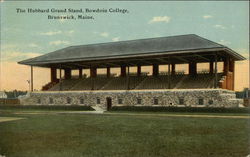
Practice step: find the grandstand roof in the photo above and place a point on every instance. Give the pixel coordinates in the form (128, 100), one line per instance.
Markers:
(140, 49)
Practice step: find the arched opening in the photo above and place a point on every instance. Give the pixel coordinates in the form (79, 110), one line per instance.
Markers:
(109, 103)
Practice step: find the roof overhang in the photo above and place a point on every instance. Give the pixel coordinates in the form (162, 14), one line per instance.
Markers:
(177, 57)
(163, 50)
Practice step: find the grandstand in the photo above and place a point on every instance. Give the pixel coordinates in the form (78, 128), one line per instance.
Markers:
(178, 81)
(164, 51)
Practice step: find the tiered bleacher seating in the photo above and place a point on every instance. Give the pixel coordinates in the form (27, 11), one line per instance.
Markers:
(159, 82)
(175, 79)
(121, 83)
(116, 83)
(83, 84)
(134, 81)
(49, 85)
(198, 81)
(66, 85)
(151, 82)
(178, 81)
(91, 83)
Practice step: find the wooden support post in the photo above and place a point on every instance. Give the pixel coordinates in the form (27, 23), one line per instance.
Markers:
(232, 69)
(226, 73)
(67, 73)
(169, 77)
(52, 74)
(60, 78)
(192, 68)
(138, 70)
(93, 72)
(172, 69)
(195, 68)
(128, 81)
(155, 69)
(31, 78)
(108, 72)
(80, 73)
(211, 67)
(226, 66)
(233, 66)
(216, 75)
(123, 71)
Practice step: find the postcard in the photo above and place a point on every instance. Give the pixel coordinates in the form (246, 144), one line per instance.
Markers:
(124, 78)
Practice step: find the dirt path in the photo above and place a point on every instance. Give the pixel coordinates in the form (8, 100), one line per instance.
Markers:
(58, 112)
(5, 119)
(140, 114)
(183, 115)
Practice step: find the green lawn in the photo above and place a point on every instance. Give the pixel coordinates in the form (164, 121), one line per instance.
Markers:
(114, 135)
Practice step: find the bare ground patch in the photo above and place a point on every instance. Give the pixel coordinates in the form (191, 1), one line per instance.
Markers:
(5, 119)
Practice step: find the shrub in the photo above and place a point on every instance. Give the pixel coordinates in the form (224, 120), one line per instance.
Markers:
(180, 109)
(47, 107)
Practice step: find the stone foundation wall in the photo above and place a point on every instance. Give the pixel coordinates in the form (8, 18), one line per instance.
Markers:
(190, 97)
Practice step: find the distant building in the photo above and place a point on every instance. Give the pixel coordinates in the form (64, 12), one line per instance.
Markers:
(3, 94)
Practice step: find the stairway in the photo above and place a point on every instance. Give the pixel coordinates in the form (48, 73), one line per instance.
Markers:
(99, 109)
(230, 97)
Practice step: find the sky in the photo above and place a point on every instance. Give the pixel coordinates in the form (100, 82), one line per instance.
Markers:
(26, 35)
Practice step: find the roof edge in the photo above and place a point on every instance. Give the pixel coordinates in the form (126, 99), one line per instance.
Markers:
(122, 56)
(235, 54)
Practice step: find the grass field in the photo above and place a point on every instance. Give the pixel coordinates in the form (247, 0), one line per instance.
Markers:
(123, 135)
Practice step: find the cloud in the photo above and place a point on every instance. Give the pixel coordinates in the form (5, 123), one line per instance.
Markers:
(50, 33)
(59, 42)
(207, 16)
(219, 26)
(160, 19)
(8, 46)
(224, 42)
(33, 45)
(16, 47)
(69, 33)
(17, 56)
(104, 34)
(116, 39)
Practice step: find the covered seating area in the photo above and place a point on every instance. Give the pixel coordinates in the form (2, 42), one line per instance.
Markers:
(169, 52)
